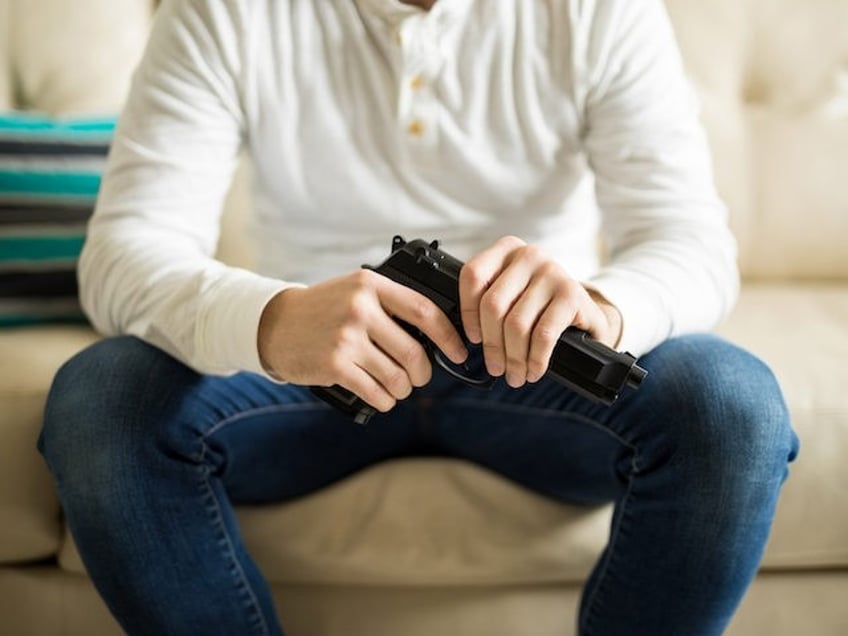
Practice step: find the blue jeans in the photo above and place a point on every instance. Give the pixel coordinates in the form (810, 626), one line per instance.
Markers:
(149, 458)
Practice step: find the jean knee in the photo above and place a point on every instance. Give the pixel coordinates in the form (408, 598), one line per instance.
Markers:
(93, 412)
(724, 408)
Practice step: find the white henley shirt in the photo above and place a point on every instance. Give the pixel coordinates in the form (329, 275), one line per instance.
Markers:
(558, 121)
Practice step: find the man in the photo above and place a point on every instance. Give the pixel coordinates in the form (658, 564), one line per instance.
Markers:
(480, 122)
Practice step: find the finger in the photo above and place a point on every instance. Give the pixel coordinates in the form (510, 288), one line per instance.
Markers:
(518, 329)
(358, 381)
(495, 304)
(571, 305)
(474, 280)
(390, 375)
(421, 312)
(402, 348)
(554, 320)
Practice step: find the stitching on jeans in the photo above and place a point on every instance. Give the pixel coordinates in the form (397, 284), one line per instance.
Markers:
(553, 413)
(241, 579)
(262, 410)
(591, 607)
(242, 583)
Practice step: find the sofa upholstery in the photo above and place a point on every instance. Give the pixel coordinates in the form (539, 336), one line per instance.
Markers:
(424, 546)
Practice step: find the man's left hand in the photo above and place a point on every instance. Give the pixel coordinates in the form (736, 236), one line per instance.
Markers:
(517, 301)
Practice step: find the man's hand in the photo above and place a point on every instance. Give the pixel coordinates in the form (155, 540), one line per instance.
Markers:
(342, 332)
(517, 301)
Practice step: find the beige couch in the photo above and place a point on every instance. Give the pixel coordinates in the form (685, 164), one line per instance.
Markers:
(429, 547)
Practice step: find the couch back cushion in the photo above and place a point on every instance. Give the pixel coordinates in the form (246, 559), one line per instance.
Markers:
(74, 57)
(5, 56)
(773, 80)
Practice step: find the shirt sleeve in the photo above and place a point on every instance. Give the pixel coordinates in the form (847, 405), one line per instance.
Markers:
(147, 266)
(671, 266)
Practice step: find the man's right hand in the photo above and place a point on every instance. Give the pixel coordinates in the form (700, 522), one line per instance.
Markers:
(342, 332)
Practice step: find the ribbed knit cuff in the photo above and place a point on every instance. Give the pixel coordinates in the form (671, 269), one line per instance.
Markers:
(230, 333)
(645, 324)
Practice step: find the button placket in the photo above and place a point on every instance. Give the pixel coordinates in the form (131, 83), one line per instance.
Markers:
(417, 107)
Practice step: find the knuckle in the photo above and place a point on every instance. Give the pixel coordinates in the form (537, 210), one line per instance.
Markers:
(422, 310)
(345, 338)
(472, 276)
(494, 303)
(568, 288)
(544, 337)
(398, 384)
(491, 349)
(413, 356)
(336, 369)
(363, 278)
(518, 323)
(552, 268)
(515, 363)
(511, 241)
(532, 253)
(357, 307)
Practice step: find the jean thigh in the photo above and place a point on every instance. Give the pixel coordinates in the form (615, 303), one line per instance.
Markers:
(125, 407)
(541, 436)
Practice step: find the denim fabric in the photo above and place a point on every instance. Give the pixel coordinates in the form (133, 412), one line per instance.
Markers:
(149, 458)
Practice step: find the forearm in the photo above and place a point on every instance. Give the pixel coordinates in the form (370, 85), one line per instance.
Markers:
(152, 286)
(672, 258)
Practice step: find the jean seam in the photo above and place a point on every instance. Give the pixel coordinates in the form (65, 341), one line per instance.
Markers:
(241, 415)
(242, 584)
(546, 412)
(592, 603)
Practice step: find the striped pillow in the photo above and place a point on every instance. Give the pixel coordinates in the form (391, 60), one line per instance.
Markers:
(49, 177)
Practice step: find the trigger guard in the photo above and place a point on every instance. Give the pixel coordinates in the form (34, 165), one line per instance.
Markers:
(485, 383)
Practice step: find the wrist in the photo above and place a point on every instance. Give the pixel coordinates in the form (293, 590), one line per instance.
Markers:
(271, 324)
(614, 320)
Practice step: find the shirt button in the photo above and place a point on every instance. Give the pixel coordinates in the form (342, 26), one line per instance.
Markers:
(415, 128)
(416, 83)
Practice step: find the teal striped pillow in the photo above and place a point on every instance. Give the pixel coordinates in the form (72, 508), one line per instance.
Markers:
(49, 177)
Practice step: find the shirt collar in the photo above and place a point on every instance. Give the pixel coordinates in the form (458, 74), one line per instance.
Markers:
(396, 11)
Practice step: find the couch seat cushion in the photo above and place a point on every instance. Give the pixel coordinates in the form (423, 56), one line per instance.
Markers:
(30, 525)
(801, 331)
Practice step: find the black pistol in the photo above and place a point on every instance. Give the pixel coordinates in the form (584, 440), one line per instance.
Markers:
(579, 362)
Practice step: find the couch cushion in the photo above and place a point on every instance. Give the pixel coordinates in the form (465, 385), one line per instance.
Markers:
(29, 511)
(49, 177)
(5, 56)
(76, 57)
(773, 78)
(802, 332)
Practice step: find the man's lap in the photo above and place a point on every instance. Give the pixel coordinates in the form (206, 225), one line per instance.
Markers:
(280, 442)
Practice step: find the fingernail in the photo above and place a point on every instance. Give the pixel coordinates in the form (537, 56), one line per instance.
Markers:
(494, 369)
(513, 380)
